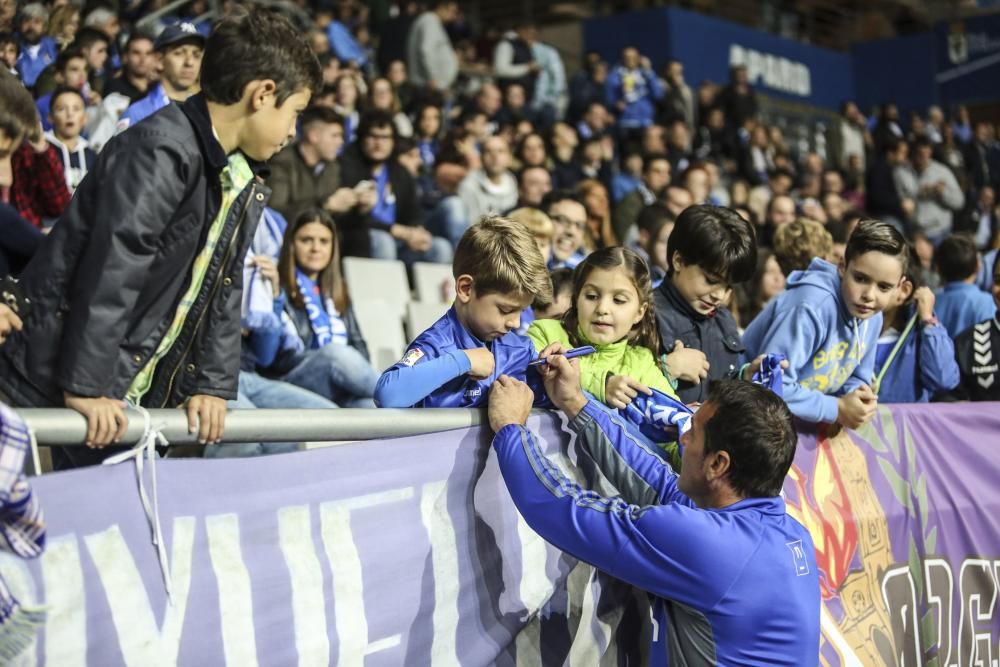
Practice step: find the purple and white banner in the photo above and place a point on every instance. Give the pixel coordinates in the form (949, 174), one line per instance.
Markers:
(409, 551)
(390, 552)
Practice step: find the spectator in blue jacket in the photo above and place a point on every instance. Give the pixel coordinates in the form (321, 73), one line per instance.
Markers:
(632, 90)
(38, 51)
(960, 303)
(915, 358)
(713, 546)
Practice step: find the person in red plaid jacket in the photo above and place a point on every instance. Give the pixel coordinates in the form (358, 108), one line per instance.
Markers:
(38, 190)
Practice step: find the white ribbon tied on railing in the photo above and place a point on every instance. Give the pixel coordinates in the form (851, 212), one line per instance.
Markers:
(146, 449)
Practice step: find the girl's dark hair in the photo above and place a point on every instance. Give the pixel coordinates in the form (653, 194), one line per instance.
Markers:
(715, 238)
(645, 332)
(519, 149)
(331, 282)
(251, 44)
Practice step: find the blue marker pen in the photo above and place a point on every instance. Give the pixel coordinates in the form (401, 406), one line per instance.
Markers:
(570, 354)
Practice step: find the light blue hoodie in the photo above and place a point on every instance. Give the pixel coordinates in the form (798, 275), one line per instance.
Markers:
(830, 353)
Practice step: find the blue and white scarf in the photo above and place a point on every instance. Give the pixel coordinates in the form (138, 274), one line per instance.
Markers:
(327, 325)
(770, 374)
(660, 417)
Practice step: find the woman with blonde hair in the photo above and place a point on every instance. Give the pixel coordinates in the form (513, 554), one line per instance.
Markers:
(64, 21)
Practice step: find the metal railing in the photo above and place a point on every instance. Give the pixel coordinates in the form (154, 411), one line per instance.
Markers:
(63, 427)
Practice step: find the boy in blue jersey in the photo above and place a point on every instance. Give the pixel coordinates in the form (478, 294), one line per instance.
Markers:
(827, 324)
(498, 273)
(734, 578)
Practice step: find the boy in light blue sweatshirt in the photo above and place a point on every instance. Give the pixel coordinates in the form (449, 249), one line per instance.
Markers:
(827, 324)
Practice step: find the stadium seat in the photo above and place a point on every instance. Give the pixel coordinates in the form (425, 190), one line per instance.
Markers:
(420, 315)
(383, 331)
(381, 279)
(429, 279)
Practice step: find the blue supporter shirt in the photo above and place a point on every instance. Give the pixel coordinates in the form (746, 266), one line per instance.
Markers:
(961, 305)
(140, 109)
(434, 372)
(732, 586)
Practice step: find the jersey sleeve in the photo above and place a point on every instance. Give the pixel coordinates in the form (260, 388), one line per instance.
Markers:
(418, 374)
(662, 549)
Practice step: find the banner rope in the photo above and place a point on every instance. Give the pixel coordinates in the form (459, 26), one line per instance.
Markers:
(146, 449)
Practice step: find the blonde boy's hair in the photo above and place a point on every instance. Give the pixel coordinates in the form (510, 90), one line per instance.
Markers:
(502, 257)
(539, 225)
(796, 243)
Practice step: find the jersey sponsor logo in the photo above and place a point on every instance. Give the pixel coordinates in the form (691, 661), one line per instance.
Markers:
(473, 392)
(798, 558)
(412, 357)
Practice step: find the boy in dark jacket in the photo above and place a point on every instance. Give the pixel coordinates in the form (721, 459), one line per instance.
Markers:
(710, 249)
(136, 293)
(977, 351)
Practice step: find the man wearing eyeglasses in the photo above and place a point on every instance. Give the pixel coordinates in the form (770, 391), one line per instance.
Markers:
(569, 217)
(386, 223)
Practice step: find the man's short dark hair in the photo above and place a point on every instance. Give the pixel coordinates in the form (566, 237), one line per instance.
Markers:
(255, 44)
(754, 426)
(556, 196)
(138, 37)
(717, 239)
(66, 55)
(319, 114)
(891, 145)
(649, 158)
(523, 172)
(876, 236)
(956, 258)
(653, 217)
(87, 37)
(375, 118)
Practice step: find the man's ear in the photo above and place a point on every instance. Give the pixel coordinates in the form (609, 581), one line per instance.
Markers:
(259, 91)
(464, 288)
(717, 465)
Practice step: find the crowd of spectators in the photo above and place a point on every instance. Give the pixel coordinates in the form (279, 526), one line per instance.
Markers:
(422, 127)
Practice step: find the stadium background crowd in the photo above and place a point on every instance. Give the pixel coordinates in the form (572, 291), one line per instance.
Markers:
(422, 127)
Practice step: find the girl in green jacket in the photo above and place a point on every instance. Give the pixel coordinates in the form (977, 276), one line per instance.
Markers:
(612, 309)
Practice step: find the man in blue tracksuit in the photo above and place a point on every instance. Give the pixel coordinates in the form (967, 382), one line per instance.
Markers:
(734, 578)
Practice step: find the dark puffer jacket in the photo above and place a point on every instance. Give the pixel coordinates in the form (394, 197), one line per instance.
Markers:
(106, 282)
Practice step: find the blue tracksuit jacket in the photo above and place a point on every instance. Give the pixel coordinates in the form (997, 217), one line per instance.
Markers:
(434, 371)
(733, 586)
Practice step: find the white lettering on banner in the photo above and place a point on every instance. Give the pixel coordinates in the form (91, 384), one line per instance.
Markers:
(772, 71)
(142, 641)
(66, 624)
(239, 641)
(586, 648)
(345, 562)
(308, 601)
(444, 554)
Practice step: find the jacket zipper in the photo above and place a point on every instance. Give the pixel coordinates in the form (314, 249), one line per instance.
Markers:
(215, 290)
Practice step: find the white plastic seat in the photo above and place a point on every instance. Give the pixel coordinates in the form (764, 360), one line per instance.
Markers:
(420, 316)
(378, 279)
(429, 281)
(383, 331)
